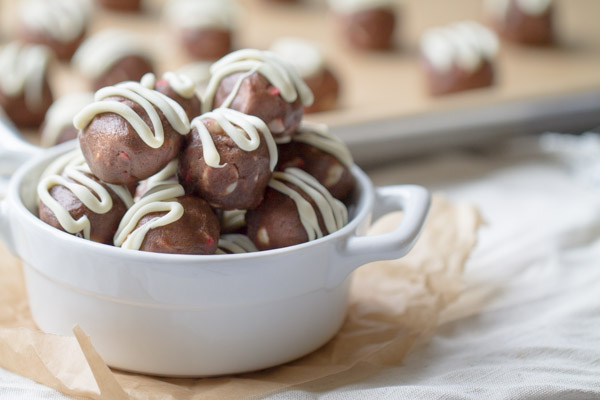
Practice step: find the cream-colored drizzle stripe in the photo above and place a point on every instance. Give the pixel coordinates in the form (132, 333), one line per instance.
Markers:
(83, 187)
(233, 219)
(333, 211)
(306, 212)
(160, 199)
(144, 97)
(278, 72)
(246, 137)
(318, 135)
(164, 174)
(236, 243)
(181, 84)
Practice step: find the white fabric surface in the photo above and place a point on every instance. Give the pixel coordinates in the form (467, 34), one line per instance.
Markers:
(528, 324)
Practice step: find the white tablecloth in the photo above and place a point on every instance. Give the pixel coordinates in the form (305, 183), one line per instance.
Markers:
(528, 324)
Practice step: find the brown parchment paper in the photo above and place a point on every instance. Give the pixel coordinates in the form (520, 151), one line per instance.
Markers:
(392, 304)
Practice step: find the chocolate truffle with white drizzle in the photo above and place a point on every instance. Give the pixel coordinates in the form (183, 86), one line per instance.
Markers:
(204, 27)
(111, 56)
(296, 209)
(165, 220)
(459, 57)
(131, 131)
(259, 83)
(73, 200)
(366, 24)
(315, 150)
(58, 24)
(25, 94)
(525, 21)
(312, 67)
(181, 88)
(228, 159)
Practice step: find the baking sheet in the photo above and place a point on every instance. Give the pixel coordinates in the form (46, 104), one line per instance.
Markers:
(384, 111)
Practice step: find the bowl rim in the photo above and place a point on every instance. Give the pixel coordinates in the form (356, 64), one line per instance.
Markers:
(363, 206)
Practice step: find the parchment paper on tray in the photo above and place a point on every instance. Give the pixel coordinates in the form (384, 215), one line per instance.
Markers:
(392, 303)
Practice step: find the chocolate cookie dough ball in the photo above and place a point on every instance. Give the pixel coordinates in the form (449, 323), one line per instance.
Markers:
(112, 56)
(58, 24)
(458, 57)
(25, 94)
(366, 24)
(182, 89)
(310, 64)
(228, 159)
(324, 156)
(259, 83)
(296, 209)
(121, 5)
(58, 123)
(76, 202)
(166, 221)
(204, 27)
(523, 21)
(130, 132)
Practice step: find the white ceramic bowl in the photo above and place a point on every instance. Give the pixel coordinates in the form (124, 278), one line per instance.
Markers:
(181, 315)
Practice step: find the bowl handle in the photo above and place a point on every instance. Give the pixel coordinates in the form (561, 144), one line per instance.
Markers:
(414, 201)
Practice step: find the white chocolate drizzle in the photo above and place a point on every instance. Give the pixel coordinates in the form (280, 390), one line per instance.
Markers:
(232, 220)
(201, 13)
(534, 8)
(333, 211)
(235, 243)
(463, 44)
(60, 115)
(243, 129)
(98, 53)
(182, 84)
(278, 72)
(22, 71)
(72, 172)
(167, 174)
(353, 6)
(62, 20)
(318, 135)
(148, 99)
(160, 199)
(303, 54)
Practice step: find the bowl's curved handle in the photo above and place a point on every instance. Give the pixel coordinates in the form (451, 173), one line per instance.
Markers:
(414, 201)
